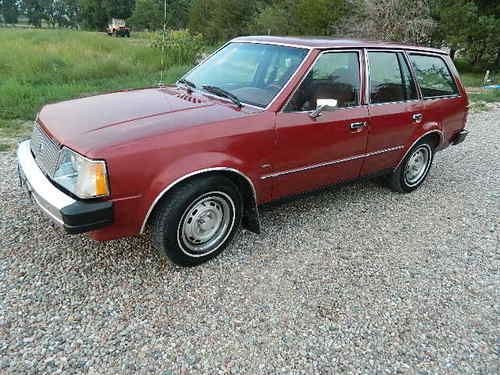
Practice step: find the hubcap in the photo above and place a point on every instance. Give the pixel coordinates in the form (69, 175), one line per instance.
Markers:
(206, 223)
(417, 165)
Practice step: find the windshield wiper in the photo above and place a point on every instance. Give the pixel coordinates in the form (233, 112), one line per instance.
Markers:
(190, 85)
(221, 92)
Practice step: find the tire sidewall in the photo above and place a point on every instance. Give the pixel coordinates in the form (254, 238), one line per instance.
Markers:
(176, 208)
(402, 180)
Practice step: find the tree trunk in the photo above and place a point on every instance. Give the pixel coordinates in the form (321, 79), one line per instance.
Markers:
(453, 52)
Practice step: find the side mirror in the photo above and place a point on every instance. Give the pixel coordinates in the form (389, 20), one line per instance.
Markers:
(323, 105)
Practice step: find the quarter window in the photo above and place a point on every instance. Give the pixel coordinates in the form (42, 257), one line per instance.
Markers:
(335, 75)
(433, 76)
(390, 78)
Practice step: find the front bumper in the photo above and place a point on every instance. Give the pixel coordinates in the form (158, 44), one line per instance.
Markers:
(73, 215)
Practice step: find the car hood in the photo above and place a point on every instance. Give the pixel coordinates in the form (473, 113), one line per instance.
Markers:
(93, 122)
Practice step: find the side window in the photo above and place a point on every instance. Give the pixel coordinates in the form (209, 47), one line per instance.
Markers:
(335, 75)
(433, 76)
(410, 89)
(386, 80)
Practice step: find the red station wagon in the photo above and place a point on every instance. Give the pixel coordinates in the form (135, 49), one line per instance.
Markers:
(260, 119)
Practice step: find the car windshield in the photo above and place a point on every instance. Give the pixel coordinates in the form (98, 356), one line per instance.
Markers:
(253, 73)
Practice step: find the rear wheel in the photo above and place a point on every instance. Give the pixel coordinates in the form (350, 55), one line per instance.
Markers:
(411, 173)
(197, 221)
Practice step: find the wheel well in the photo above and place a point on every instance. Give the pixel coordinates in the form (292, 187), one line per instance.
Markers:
(250, 218)
(433, 138)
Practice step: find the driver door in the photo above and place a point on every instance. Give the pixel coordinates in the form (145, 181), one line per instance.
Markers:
(317, 151)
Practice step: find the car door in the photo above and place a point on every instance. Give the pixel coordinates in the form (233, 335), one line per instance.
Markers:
(394, 108)
(442, 101)
(315, 151)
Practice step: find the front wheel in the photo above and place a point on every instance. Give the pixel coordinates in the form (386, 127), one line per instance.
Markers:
(413, 170)
(198, 220)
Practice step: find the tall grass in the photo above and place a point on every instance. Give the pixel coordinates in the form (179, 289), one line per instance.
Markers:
(40, 66)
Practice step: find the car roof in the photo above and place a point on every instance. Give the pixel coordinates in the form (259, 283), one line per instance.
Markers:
(325, 43)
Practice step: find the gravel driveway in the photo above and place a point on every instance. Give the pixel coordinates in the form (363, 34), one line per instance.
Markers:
(351, 279)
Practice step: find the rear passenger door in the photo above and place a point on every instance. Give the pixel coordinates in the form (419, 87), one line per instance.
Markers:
(394, 108)
(443, 103)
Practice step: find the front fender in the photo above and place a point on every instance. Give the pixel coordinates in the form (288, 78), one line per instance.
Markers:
(186, 167)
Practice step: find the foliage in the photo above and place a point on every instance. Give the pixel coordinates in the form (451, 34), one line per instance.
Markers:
(406, 21)
(302, 17)
(9, 11)
(181, 46)
(147, 14)
(470, 25)
(221, 19)
(95, 14)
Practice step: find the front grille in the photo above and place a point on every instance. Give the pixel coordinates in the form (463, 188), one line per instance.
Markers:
(45, 151)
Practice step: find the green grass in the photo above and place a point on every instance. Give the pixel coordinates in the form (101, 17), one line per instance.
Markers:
(489, 96)
(42, 66)
(472, 79)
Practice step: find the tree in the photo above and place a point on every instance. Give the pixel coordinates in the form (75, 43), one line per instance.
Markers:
(147, 14)
(469, 25)
(118, 8)
(9, 10)
(406, 21)
(34, 10)
(303, 17)
(221, 19)
(95, 14)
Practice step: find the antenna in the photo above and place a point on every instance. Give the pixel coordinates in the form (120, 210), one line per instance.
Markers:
(161, 83)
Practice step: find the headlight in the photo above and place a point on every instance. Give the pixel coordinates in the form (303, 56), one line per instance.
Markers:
(83, 177)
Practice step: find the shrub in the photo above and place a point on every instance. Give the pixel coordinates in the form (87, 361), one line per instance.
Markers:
(181, 46)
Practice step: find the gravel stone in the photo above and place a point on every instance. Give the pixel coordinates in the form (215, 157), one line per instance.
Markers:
(352, 279)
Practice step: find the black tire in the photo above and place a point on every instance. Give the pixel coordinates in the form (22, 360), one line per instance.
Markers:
(400, 180)
(176, 227)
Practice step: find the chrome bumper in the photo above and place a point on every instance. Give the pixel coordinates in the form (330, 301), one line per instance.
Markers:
(75, 216)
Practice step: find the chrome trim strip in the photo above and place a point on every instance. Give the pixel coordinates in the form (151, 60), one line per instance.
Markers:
(46, 210)
(180, 179)
(45, 194)
(441, 135)
(333, 162)
(417, 49)
(273, 43)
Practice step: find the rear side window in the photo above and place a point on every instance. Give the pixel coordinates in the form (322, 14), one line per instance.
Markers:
(433, 76)
(390, 78)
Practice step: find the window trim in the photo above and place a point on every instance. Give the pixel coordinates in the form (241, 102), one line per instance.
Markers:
(453, 78)
(336, 50)
(277, 95)
(367, 89)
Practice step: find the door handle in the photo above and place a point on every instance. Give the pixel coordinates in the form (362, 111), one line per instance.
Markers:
(357, 125)
(417, 117)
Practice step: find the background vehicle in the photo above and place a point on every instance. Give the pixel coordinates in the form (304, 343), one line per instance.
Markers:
(117, 28)
(260, 119)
